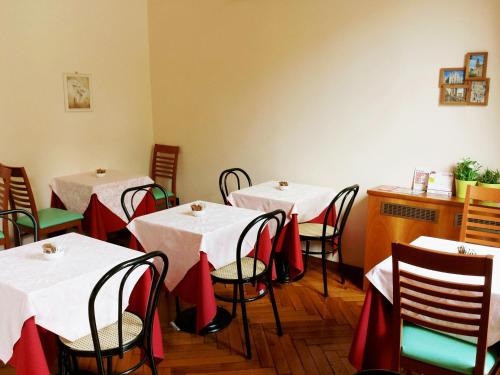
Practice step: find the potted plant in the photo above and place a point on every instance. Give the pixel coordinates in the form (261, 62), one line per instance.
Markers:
(490, 178)
(466, 173)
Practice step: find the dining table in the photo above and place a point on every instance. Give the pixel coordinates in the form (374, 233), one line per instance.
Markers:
(372, 342)
(302, 204)
(98, 197)
(44, 297)
(196, 245)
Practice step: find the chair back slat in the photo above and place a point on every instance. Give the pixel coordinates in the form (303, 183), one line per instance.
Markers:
(232, 175)
(157, 265)
(4, 204)
(460, 308)
(481, 216)
(130, 195)
(164, 165)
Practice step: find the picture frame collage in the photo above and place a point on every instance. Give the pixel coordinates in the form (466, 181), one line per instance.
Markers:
(466, 85)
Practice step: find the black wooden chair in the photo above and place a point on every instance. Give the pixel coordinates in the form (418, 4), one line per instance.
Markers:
(251, 270)
(130, 331)
(238, 174)
(154, 190)
(5, 219)
(340, 206)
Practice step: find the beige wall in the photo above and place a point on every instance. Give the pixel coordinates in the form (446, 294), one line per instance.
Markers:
(324, 92)
(40, 40)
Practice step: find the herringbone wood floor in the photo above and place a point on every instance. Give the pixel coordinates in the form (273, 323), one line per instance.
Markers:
(316, 339)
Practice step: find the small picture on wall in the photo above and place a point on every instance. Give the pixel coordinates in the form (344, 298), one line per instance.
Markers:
(478, 92)
(453, 94)
(77, 92)
(451, 76)
(475, 65)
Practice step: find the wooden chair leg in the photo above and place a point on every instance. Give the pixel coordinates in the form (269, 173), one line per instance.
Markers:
(79, 227)
(235, 300)
(325, 281)
(245, 322)
(275, 308)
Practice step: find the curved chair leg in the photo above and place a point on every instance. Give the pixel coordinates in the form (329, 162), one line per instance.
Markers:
(110, 364)
(235, 300)
(152, 363)
(323, 261)
(275, 309)
(306, 256)
(341, 265)
(245, 322)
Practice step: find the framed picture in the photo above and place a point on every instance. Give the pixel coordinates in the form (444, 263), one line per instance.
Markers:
(476, 64)
(420, 179)
(478, 92)
(453, 94)
(451, 76)
(77, 92)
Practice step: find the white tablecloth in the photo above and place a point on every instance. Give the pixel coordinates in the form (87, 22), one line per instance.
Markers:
(181, 236)
(381, 276)
(56, 292)
(76, 190)
(304, 200)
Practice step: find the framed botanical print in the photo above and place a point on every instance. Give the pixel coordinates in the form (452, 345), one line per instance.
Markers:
(77, 92)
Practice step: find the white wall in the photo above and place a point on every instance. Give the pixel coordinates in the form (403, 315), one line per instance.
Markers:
(41, 40)
(327, 92)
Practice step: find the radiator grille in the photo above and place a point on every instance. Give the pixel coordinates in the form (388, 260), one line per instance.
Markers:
(458, 220)
(409, 212)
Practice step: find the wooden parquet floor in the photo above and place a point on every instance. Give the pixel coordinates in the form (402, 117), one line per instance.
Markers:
(316, 340)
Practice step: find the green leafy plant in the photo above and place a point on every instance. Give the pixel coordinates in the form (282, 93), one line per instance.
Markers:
(467, 170)
(490, 176)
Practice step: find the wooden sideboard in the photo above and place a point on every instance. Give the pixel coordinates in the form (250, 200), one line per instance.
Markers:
(395, 214)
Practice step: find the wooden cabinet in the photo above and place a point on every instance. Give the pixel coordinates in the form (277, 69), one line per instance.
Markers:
(398, 215)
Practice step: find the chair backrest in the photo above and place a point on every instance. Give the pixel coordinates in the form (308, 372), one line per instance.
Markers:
(481, 216)
(20, 194)
(164, 165)
(238, 174)
(132, 195)
(470, 300)
(157, 264)
(4, 202)
(4, 216)
(340, 206)
(271, 221)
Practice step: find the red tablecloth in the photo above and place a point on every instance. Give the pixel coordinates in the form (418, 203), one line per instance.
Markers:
(36, 349)
(98, 220)
(196, 287)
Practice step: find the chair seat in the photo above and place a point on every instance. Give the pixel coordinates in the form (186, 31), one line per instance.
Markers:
(230, 272)
(50, 217)
(108, 336)
(315, 230)
(158, 194)
(2, 236)
(441, 350)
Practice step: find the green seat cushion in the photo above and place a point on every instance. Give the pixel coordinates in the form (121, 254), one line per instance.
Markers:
(158, 194)
(441, 350)
(50, 217)
(1, 236)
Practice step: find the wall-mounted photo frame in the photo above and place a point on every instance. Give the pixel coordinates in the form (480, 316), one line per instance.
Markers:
(453, 94)
(478, 92)
(451, 76)
(476, 64)
(77, 92)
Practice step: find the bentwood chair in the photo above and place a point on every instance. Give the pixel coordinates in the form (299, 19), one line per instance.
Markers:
(4, 217)
(4, 205)
(340, 208)
(130, 195)
(481, 216)
(130, 331)
(164, 172)
(238, 175)
(426, 310)
(49, 220)
(250, 270)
